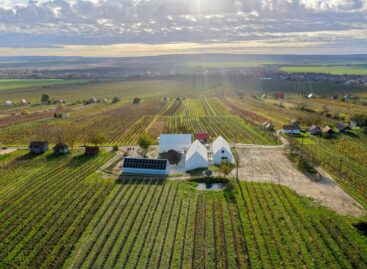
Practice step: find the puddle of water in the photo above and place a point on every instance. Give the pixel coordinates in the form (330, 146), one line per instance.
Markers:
(210, 186)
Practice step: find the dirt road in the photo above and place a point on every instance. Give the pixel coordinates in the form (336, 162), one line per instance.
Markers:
(269, 164)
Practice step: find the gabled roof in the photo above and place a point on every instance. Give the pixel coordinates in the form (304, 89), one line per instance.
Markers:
(201, 136)
(220, 143)
(37, 144)
(313, 127)
(175, 139)
(60, 146)
(295, 121)
(290, 127)
(342, 126)
(327, 129)
(197, 147)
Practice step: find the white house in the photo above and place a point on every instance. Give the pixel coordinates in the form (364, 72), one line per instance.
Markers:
(196, 157)
(8, 103)
(176, 142)
(221, 151)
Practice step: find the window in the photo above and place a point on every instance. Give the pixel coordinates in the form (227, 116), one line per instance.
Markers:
(222, 151)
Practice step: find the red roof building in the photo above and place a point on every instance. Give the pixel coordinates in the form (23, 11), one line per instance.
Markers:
(91, 150)
(202, 137)
(279, 95)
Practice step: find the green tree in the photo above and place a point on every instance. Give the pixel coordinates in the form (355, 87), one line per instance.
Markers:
(225, 168)
(45, 98)
(115, 99)
(96, 138)
(144, 142)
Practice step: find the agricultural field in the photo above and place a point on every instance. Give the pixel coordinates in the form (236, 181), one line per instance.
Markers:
(360, 69)
(45, 203)
(146, 222)
(150, 223)
(124, 123)
(9, 84)
(346, 148)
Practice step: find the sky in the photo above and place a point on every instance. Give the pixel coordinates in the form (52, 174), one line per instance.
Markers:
(156, 27)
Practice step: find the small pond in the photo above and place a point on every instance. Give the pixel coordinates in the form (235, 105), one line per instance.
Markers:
(210, 186)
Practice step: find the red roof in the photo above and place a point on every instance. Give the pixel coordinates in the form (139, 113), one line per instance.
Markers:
(201, 136)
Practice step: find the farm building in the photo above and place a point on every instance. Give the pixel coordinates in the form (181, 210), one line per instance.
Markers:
(8, 103)
(311, 95)
(145, 166)
(91, 150)
(24, 102)
(221, 151)
(315, 130)
(38, 147)
(295, 123)
(176, 142)
(279, 95)
(202, 137)
(327, 131)
(62, 115)
(61, 148)
(291, 129)
(268, 126)
(196, 157)
(343, 127)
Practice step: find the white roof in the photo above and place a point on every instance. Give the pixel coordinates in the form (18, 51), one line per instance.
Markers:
(197, 147)
(220, 143)
(176, 142)
(8, 102)
(175, 138)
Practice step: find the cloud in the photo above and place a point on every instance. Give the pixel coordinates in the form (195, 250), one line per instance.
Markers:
(53, 23)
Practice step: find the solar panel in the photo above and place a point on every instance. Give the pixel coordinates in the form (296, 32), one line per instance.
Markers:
(155, 164)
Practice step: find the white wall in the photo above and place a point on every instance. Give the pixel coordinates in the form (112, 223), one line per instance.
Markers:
(196, 161)
(219, 155)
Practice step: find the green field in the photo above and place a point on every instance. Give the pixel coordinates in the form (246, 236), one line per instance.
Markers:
(56, 212)
(331, 69)
(8, 84)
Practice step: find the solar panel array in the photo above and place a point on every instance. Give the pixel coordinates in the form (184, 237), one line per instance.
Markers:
(145, 163)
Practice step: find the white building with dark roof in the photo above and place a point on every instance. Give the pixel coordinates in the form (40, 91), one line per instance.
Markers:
(196, 157)
(221, 151)
(176, 142)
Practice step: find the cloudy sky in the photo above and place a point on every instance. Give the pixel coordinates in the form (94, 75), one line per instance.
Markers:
(153, 27)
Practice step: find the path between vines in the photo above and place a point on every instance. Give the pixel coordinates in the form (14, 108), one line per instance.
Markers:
(269, 164)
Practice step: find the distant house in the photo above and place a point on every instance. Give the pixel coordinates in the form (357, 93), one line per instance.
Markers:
(343, 127)
(314, 130)
(145, 166)
(8, 103)
(334, 97)
(311, 95)
(279, 95)
(269, 127)
(221, 151)
(353, 124)
(38, 147)
(93, 100)
(196, 157)
(327, 131)
(202, 137)
(91, 150)
(61, 148)
(291, 129)
(24, 102)
(295, 123)
(176, 142)
(62, 115)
